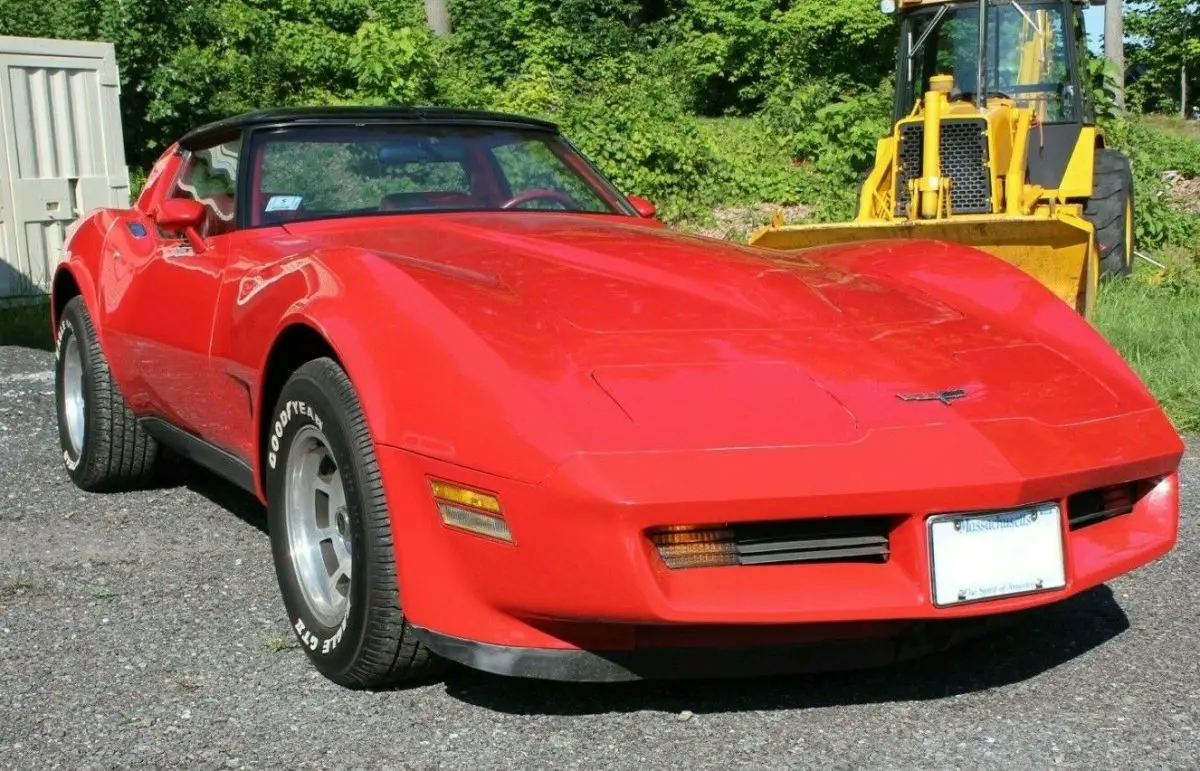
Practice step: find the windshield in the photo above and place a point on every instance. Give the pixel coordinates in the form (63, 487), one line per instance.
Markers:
(1027, 55)
(321, 172)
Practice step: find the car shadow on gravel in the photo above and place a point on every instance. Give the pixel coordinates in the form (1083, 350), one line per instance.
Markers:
(1035, 642)
(228, 496)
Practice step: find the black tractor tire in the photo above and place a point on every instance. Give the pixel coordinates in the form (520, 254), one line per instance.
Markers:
(354, 630)
(103, 448)
(1110, 210)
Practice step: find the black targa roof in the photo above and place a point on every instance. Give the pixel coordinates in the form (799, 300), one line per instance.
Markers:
(341, 115)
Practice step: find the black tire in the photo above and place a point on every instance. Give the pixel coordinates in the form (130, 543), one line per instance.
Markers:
(113, 452)
(373, 645)
(1110, 210)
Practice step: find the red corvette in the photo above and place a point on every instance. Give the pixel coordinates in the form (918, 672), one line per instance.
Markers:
(500, 415)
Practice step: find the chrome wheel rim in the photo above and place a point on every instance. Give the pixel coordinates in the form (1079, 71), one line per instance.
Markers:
(318, 525)
(72, 394)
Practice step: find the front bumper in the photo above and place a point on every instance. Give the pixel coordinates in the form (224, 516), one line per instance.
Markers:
(583, 577)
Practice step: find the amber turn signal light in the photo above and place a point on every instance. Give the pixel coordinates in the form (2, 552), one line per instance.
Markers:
(470, 510)
(684, 546)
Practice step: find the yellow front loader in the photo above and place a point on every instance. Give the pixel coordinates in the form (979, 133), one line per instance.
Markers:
(1016, 167)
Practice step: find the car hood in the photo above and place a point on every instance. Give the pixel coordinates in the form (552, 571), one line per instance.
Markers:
(702, 344)
(608, 274)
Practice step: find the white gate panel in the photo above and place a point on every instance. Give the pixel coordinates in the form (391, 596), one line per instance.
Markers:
(62, 154)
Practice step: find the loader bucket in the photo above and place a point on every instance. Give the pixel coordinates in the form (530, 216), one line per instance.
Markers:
(1058, 252)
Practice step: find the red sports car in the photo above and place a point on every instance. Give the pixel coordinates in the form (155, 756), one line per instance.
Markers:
(500, 415)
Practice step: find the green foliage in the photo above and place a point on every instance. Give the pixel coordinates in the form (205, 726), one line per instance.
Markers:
(835, 130)
(757, 167)
(1164, 36)
(1151, 320)
(729, 55)
(577, 39)
(184, 64)
(392, 65)
(1159, 220)
(644, 140)
(1102, 78)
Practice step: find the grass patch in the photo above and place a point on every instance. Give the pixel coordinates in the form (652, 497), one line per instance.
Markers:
(14, 586)
(27, 326)
(282, 643)
(1155, 329)
(1189, 129)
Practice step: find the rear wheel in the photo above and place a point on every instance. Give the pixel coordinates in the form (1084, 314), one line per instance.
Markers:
(1110, 210)
(103, 448)
(332, 537)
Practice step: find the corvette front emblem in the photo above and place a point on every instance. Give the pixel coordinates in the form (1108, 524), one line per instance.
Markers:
(945, 397)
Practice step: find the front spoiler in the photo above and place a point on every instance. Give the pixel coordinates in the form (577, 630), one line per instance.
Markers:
(912, 640)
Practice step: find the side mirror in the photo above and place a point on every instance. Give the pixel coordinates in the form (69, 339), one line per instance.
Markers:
(175, 214)
(643, 207)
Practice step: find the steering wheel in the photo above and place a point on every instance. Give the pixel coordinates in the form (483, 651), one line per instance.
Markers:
(539, 194)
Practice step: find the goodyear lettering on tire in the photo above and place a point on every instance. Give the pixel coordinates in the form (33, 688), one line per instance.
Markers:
(290, 410)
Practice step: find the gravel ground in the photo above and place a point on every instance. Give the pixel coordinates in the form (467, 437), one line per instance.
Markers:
(146, 629)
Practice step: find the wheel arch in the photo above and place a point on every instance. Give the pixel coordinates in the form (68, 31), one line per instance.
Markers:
(296, 344)
(63, 289)
(72, 280)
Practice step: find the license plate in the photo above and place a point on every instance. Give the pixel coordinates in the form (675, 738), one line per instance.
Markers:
(980, 556)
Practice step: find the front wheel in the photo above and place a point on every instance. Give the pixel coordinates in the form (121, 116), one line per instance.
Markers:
(1110, 210)
(332, 538)
(103, 447)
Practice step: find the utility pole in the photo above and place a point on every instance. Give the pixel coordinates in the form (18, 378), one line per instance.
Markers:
(438, 17)
(1114, 45)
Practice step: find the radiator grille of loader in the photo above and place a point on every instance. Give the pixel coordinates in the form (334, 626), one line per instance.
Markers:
(964, 149)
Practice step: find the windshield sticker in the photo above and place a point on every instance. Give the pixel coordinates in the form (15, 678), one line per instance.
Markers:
(284, 203)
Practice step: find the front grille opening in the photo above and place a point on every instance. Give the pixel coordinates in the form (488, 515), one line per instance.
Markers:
(963, 146)
(823, 540)
(1103, 503)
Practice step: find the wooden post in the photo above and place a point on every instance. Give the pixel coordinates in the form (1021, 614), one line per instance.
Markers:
(1114, 46)
(438, 16)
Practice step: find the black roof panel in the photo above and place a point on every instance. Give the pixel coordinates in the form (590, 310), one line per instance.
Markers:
(213, 132)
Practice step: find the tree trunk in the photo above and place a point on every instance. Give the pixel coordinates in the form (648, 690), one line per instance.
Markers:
(1114, 45)
(438, 16)
(1183, 95)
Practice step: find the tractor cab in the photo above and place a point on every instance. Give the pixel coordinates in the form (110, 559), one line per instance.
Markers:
(994, 145)
(1033, 55)
(1030, 56)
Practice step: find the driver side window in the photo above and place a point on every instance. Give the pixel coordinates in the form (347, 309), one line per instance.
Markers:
(210, 177)
(531, 165)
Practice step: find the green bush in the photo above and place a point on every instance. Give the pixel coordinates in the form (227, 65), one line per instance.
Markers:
(1159, 221)
(836, 129)
(833, 130)
(641, 137)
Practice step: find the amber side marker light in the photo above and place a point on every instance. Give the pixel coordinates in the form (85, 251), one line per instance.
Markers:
(471, 510)
(684, 546)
